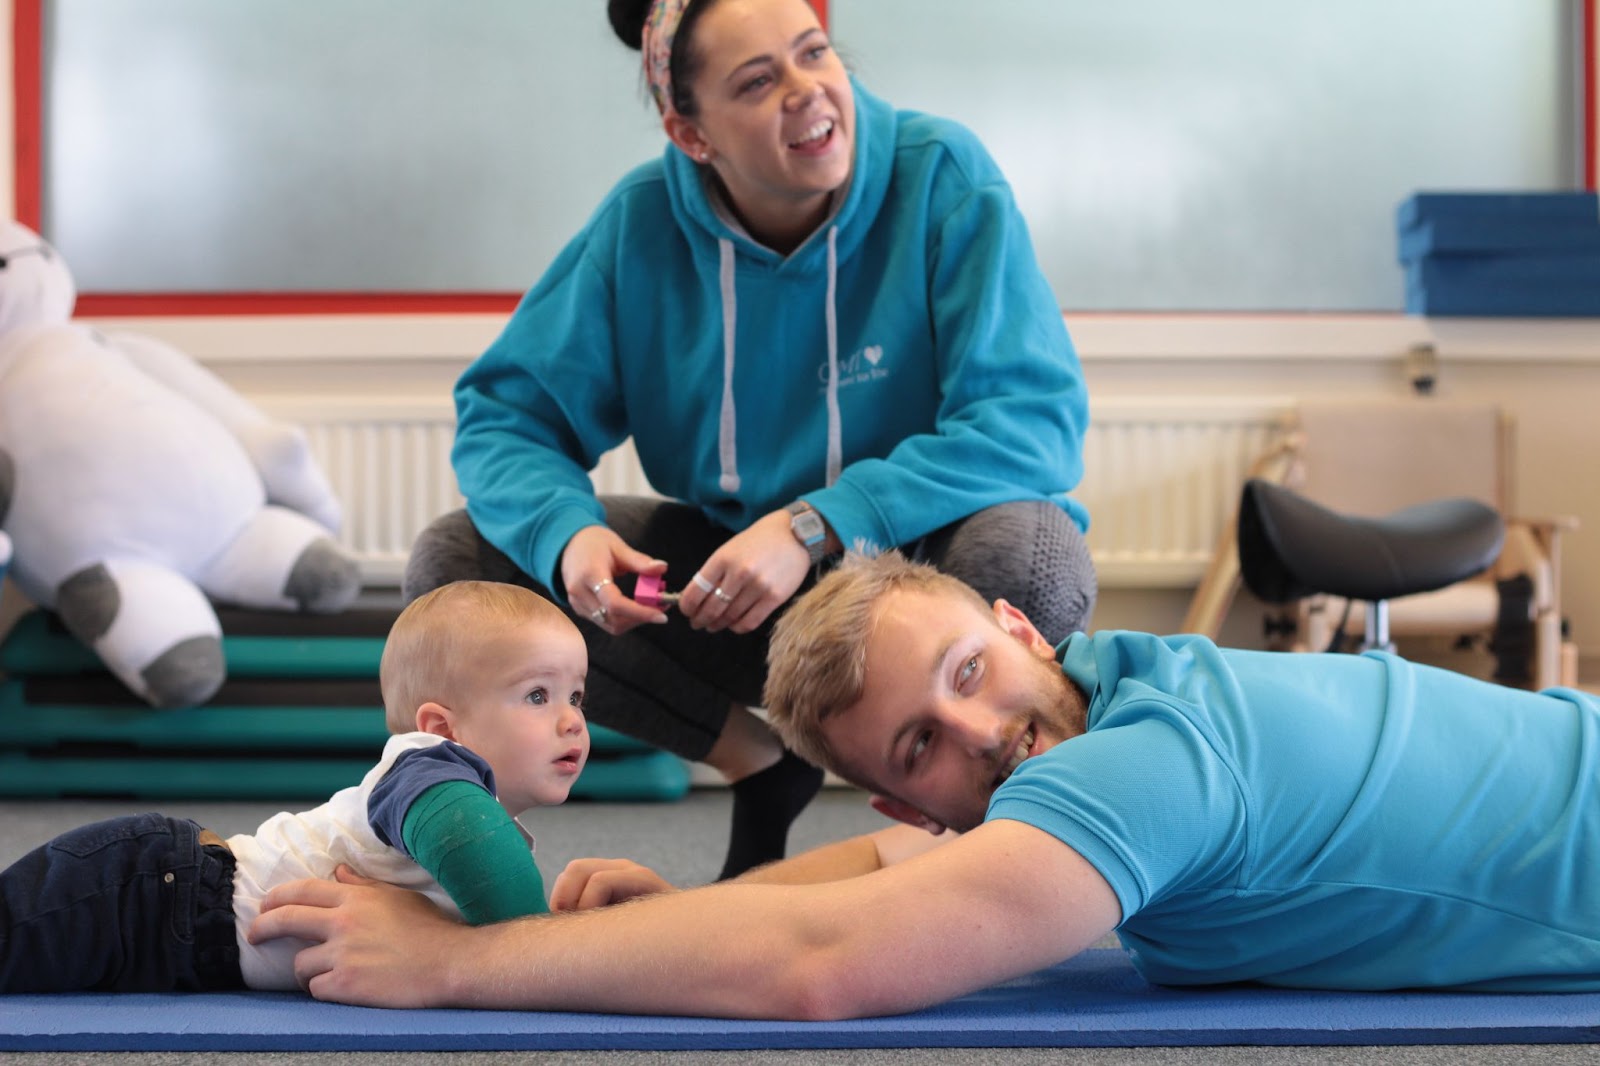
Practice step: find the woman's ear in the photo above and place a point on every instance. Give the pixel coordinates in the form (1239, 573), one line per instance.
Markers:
(687, 136)
(1013, 621)
(437, 719)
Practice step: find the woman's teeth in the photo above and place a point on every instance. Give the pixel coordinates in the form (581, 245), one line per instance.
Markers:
(814, 134)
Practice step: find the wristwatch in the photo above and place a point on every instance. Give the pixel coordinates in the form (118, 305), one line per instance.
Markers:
(809, 529)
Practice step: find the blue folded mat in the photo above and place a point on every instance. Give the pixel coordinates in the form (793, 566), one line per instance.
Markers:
(1534, 254)
(1093, 1000)
(1512, 208)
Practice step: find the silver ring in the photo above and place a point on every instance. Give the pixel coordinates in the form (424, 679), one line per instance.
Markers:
(702, 584)
(599, 615)
(723, 596)
(598, 585)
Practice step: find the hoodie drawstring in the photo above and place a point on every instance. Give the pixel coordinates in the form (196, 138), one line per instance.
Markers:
(835, 433)
(727, 435)
(727, 426)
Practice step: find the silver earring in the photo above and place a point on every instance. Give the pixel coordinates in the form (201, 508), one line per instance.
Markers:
(705, 157)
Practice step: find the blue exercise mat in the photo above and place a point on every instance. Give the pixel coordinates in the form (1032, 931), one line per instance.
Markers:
(1094, 1000)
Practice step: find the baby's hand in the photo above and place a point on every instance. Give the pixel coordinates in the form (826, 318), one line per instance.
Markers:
(589, 883)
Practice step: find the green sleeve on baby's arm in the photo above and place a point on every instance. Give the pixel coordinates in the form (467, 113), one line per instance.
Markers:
(461, 835)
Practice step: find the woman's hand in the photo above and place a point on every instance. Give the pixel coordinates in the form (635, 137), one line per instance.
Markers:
(589, 883)
(590, 565)
(748, 578)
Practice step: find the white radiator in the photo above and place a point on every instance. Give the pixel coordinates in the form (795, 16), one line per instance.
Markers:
(1162, 476)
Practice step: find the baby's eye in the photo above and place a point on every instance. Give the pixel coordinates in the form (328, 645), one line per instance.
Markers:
(576, 699)
(538, 696)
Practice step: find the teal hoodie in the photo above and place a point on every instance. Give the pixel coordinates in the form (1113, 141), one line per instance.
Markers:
(905, 367)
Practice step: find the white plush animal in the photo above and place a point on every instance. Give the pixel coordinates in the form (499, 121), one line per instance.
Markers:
(137, 488)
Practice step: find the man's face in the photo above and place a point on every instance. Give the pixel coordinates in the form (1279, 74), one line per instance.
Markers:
(955, 699)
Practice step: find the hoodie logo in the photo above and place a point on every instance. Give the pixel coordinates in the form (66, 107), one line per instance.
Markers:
(863, 365)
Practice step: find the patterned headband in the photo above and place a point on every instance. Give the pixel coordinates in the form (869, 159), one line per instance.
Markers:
(660, 27)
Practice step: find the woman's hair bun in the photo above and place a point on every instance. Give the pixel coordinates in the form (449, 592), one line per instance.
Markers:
(627, 20)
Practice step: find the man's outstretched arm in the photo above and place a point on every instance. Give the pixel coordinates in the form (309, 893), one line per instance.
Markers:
(999, 902)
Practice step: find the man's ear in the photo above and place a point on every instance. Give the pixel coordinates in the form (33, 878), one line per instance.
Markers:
(437, 719)
(904, 812)
(1013, 621)
(687, 136)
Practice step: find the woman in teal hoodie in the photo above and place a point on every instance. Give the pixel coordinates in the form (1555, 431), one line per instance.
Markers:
(822, 323)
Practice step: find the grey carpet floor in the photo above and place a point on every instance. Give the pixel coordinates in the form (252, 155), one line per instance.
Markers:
(685, 841)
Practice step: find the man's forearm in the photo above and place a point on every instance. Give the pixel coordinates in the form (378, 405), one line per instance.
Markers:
(728, 950)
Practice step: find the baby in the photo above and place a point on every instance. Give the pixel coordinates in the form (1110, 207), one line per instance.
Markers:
(483, 690)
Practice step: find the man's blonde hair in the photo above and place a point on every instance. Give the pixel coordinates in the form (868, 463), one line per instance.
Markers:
(817, 660)
(432, 651)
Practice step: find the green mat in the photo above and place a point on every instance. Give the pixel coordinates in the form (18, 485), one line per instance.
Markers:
(647, 778)
(28, 723)
(39, 646)
(300, 715)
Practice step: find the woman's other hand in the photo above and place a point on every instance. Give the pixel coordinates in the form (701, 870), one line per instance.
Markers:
(748, 578)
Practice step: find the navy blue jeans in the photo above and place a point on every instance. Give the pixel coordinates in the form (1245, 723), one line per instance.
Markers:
(133, 904)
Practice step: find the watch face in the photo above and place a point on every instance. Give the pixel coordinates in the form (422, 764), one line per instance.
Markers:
(808, 524)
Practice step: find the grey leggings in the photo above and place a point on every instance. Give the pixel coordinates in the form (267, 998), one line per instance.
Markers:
(673, 686)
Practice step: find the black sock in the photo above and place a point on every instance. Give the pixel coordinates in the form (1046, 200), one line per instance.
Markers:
(765, 804)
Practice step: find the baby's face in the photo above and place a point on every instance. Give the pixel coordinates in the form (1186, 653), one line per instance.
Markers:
(526, 717)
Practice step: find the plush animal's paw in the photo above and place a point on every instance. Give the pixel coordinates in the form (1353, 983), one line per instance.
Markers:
(186, 674)
(324, 579)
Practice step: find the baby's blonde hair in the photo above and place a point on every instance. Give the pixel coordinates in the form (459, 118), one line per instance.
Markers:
(432, 650)
(817, 660)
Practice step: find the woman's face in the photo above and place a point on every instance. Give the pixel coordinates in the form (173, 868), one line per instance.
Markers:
(776, 114)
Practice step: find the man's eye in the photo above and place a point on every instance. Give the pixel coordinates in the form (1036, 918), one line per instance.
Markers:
(918, 746)
(968, 668)
(539, 696)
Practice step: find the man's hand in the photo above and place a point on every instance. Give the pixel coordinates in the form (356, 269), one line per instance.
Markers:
(372, 943)
(589, 883)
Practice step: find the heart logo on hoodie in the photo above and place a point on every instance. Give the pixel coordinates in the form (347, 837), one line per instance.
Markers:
(873, 353)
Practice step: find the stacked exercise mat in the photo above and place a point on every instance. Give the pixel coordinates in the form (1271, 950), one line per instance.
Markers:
(300, 716)
(1532, 254)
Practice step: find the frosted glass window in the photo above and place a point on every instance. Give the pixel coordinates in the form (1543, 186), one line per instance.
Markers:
(1168, 154)
(1233, 154)
(334, 145)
